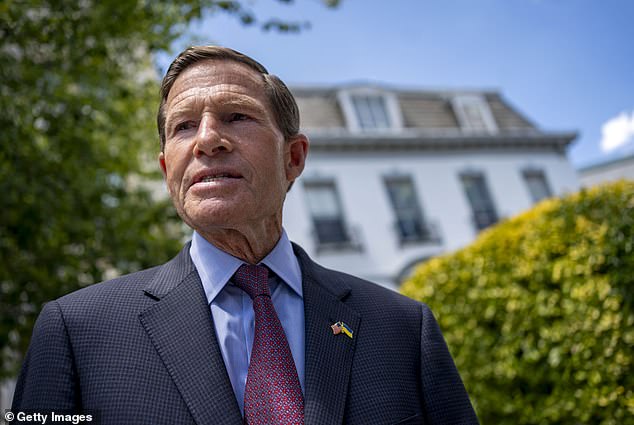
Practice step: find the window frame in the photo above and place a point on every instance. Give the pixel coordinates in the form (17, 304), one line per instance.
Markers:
(346, 241)
(424, 231)
(390, 102)
(461, 102)
(530, 172)
(491, 212)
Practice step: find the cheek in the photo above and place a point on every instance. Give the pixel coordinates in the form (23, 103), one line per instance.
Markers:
(173, 183)
(174, 170)
(173, 187)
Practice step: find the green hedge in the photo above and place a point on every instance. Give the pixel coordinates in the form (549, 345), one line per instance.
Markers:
(537, 312)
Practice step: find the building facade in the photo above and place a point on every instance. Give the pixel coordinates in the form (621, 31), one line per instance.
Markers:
(608, 171)
(396, 176)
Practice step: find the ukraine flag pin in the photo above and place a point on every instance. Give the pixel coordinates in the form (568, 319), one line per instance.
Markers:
(341, 328)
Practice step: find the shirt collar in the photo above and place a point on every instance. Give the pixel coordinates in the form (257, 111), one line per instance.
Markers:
(215, 267)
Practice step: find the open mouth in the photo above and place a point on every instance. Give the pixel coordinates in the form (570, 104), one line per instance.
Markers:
(216, 177)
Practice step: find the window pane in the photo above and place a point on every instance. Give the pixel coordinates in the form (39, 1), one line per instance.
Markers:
(474, 116)
(537, 185)
(410, 228)
(410, 222)
(378, 111)
(326, 213)
(362, 110)
(402, 194)
(330, 230)
(322, 201)
(473, 113)
(371, 112)
(480, 199)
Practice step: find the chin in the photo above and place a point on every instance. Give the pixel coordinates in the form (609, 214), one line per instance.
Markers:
(211, 218)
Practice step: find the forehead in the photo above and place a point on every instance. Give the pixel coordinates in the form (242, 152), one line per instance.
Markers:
(213, 76)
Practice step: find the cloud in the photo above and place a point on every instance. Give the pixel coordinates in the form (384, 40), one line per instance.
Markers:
(617, 132)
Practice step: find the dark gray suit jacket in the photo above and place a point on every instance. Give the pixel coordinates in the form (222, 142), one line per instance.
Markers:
(141, 349)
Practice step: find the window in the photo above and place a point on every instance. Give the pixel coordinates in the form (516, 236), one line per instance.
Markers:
(537, 184)
(371, 112)
(326, 213)
(473, 114)
(370, 109)
(480, 199)
(410, 223)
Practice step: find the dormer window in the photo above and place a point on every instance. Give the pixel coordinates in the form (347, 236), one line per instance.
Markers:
(370, 110)
(473, 114)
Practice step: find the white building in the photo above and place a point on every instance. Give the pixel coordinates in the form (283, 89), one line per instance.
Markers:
(608, 171)
(395, 177)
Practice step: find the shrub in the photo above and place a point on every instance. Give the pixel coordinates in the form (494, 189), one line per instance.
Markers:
(537, 312)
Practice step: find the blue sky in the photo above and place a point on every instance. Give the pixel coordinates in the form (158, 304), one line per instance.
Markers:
(566, 64)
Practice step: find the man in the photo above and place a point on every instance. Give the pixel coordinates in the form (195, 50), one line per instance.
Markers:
(241, 325)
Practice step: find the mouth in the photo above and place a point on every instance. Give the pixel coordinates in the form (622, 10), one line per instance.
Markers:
(216, 176)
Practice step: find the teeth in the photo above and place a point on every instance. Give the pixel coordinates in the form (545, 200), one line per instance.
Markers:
(214, 177)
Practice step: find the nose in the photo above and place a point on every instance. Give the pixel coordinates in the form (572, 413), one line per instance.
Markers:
(210, 139)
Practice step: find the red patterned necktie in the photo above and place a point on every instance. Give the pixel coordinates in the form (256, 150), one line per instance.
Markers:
(272, 394)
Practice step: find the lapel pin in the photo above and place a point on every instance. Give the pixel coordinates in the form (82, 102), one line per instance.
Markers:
(341, 328)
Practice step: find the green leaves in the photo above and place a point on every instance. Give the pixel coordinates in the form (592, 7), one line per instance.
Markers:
(538, 311)
(77, 115)
(78, 98)
(75, 120)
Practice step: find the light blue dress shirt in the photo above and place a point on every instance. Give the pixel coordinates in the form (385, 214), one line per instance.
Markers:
(232, 308)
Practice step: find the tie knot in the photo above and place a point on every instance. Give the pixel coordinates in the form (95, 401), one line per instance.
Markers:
(254, 280)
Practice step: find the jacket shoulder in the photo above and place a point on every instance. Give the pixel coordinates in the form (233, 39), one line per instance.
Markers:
(359, 293)
(121, 290)
(121, 286)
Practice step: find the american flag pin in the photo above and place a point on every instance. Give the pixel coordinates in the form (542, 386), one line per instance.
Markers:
(340, 327)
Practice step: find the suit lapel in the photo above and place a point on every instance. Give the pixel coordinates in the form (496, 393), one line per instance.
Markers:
(329, 357)
(181, 328)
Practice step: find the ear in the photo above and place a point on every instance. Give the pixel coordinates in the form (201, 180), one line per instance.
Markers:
(161, 160)
(296, 153)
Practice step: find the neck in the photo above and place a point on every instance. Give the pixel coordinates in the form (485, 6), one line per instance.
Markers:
(250, 244)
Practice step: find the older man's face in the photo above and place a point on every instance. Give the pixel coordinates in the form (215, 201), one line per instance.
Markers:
(225, 161)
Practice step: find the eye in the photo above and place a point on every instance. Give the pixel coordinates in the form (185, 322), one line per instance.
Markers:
(237, 116)
(186, 125)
